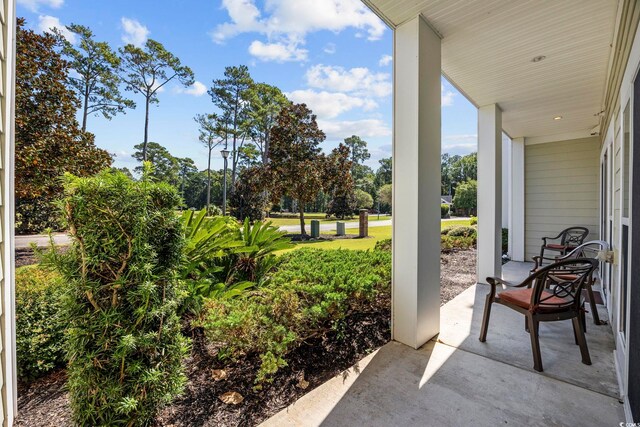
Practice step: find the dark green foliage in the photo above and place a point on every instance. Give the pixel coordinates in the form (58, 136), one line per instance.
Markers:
(124, 345)
(466, 197)
(249, 198)
(505, 240)
(444, 210)
(39, 326)
(312, 292)
(222, 260)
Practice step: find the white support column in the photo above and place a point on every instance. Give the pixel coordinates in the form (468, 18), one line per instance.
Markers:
(416, 184)
(516, 198)
(489, 192)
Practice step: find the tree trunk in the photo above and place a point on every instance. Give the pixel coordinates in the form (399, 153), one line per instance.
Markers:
(209, 181)
(234, 161)
(85, 109)
(301, 209)
(146, 130)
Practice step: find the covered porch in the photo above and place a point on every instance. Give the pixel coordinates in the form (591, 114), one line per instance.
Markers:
(456, 380)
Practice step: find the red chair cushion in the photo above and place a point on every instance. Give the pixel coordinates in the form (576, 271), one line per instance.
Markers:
(522, 298)
(556, 246)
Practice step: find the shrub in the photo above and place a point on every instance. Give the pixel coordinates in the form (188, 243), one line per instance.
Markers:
(466, 196)
(444, 210)
(448, 243)
(39, 325)
(311, 293)
(474, 220)
(446, 230)
(124, 345)
(462, 231)
(383, 245)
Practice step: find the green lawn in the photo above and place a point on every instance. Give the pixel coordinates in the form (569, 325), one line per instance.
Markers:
(375, 234)
(320, 216)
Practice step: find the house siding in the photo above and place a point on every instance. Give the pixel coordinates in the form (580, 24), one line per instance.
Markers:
(561, 189)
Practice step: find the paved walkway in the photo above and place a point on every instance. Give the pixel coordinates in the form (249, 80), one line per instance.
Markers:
(455, 380)
(328, 226)
(41, 240)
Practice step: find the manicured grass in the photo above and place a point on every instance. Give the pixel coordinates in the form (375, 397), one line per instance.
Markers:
(308, 217)
(375, 234)
(455, 223)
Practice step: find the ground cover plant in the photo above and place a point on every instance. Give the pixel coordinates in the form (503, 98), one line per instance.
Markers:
(311, 293)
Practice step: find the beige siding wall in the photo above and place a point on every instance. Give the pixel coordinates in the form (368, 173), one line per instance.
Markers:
(561, 189)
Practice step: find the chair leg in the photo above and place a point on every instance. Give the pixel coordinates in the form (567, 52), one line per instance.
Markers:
(575, 334)
(582, 341)
(526, 324)
(535, 343)
(594, 308)
(583, 319)
(485, 318)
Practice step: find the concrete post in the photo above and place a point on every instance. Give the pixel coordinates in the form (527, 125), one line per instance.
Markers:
(315, 228)
(489, 192)
(364, 223)
(416, 183)
(517, 196)
(340, 229)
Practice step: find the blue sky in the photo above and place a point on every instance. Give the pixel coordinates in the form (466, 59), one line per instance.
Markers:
(334, 55)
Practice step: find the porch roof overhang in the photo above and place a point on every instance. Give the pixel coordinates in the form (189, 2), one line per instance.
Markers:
(488, 49)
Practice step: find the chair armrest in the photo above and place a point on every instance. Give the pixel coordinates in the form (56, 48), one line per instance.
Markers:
(544, 239)
(494, 281)
(538, 260)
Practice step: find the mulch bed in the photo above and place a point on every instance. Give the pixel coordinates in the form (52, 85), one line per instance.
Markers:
(44, 402)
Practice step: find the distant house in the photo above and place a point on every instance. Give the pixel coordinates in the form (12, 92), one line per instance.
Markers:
(446, 200)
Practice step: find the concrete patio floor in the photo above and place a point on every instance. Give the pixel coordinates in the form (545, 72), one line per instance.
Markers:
(455, 380)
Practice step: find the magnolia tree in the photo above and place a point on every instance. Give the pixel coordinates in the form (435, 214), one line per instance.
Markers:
(296, 166)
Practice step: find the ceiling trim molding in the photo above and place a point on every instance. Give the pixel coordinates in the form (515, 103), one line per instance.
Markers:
(567, 136)
(379, 13)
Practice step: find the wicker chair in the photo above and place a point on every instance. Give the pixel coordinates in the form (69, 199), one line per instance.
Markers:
(550, 294)
(568, 239)
(591, 249)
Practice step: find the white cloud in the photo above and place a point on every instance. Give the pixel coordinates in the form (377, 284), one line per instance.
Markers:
(287, 22)
(278, 52)
(196, 89)
(368, 128)
(447, 96)
(460, 143)
(359, 81)
(46, 23)
(385, 60)
(330, 48)
(327, 105)
(134, 32)
(34, 5)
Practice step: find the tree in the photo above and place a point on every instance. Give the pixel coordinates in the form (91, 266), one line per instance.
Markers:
(385, 196)
(166, 168)
(249, 200)
(146, 71)
(339, 184)
(186, 168)
(231, 95)
(265, 103)
(466, 197)
(296, 163)
(48, 140)
(363, 199)
(358, 147)
(96, 81)
(211, 134)
(384, 174)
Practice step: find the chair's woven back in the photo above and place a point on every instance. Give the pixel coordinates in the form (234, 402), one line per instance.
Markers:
(560, 284)
(574, 236)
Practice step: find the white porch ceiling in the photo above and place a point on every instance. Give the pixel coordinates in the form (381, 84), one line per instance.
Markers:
(488, 45)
